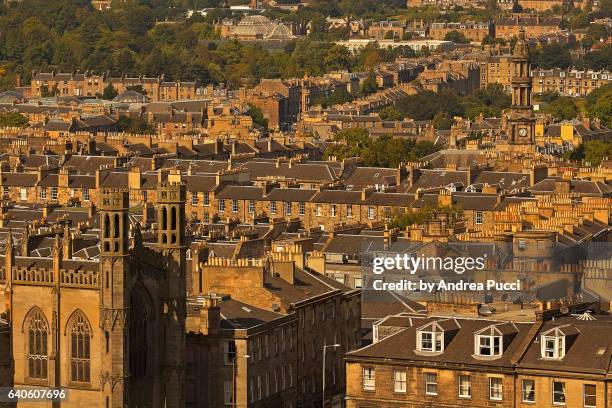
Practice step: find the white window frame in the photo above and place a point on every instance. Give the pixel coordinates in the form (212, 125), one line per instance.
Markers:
(562, 393)
(43, 193)
(221, 205)
(206, 199)
(478, 217)
(349, 211)
(333, 210)
(436, 341)
(194, 199)
(524, 395)
(251, 206)
(371, 213)
(431, 379)
(287, 208)
(368, 378)
(461, 390)
(496, 388)
(302, 208)
(86, 195)
(272, 207)
(584, 395)
(318, 210)
(558, 350)
(491, 346)
(234, 206)
(54, 193)
(23, 194)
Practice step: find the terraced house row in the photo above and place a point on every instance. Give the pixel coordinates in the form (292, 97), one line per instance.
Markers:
(560, 360)
(321, 194)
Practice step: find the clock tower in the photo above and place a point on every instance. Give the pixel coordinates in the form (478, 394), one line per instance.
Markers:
(521, 129)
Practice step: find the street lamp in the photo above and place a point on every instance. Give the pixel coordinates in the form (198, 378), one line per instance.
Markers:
(246, 356)
(325, 347)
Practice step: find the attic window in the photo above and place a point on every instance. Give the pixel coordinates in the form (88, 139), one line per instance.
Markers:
(430, 341)
(553, 347)
(488, 346)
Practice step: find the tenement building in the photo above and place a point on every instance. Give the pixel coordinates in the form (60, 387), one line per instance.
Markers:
(437, 360)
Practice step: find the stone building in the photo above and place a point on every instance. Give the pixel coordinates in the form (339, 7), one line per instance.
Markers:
(66, 84)
(288, 313)
(110, 330)
(254, 27)
(434, 360)
(496, 70)
(471, 30)
(534, 26)
(569, 82)
(386, 29)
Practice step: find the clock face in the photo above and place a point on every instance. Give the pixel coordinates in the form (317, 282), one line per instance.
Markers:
(522, 132)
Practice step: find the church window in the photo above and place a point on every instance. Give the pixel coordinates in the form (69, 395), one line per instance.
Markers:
(38, 330)
(80, 345)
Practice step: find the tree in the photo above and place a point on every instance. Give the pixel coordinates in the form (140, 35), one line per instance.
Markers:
(137, 125)
(442, 121)
(592, 151)
(390, 113)
(13, 119)
(489, 101)
(258, 117)
(369, 85)
(595, 151)
(456, 37)
(598, 104)
(562, 108)
(425, 105)
(109, 92)
(554, 55)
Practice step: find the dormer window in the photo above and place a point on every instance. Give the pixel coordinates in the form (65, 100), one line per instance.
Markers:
(489, 346)
(489, 341)
(553, 347)
(433, 337)
(431, 341)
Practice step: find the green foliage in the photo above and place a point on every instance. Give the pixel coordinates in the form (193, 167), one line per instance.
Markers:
(369, 85)
(548, 97)
(555, 55)
(257, 115)
(598, 104)
(442, 121)
(593, 152)
(109, 92)
(422, 215)
(577, 19)
(13, 119)
(384, 151)
(597, 60)
(488, 40)
(425, 105)
(562, 108)
(456, 37)
(415, 217)
(137, 125)
(337, 97)
(489, 101)
(390, 113)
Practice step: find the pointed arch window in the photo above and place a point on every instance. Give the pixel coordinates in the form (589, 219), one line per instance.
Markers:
(38, 331)
(80, 349)
(138, 336)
